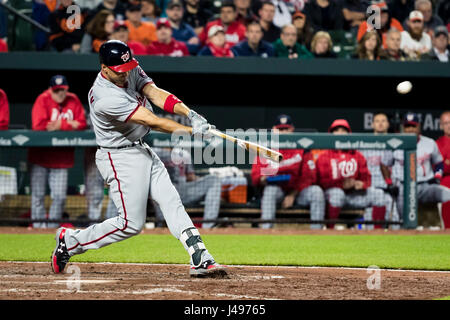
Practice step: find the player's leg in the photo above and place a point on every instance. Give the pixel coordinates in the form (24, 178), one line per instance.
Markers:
(128, 187)
(57, 181)
(335, 201)
(445, 209)
(377, 200)
(178, 221)
(94, 183)
(313, 197)
(271, 196)
(38, 184)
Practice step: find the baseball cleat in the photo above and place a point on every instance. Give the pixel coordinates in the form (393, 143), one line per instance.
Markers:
(208, 268)
(60, 256)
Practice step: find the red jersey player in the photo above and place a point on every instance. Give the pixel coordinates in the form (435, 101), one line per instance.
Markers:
(4, 111)
(444, 146)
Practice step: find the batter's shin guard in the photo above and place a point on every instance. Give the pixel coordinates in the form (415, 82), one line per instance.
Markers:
(378, 214)
(332, 213)
(190, 238)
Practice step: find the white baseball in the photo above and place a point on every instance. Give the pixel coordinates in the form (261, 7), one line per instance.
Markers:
(404, 87)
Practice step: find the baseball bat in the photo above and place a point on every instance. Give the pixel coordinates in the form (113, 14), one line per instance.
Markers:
(247, 145)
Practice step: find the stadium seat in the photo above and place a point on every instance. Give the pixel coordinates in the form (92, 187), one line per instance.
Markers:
(20, 32)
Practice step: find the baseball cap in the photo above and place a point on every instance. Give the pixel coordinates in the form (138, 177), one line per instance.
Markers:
(174, 3)
(214, 30)
(340, 123)
(416, 15)
(411, 118)
(163, 22)
(283, 121)
(440, 30)
(58, 82)
(298, 14)
(120, 24)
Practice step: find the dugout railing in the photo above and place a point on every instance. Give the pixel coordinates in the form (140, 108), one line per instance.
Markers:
(15, 205)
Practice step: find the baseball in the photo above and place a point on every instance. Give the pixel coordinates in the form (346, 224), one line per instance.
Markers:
(404, 87)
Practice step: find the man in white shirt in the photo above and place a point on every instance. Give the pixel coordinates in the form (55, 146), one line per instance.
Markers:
(415, 42)
(440, 50)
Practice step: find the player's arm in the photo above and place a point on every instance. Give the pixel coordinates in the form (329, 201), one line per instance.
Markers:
(165, 100)
(146, 117)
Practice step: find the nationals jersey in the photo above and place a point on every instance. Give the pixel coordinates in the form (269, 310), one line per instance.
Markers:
(427, 154)
(374, 159)
(112, 106)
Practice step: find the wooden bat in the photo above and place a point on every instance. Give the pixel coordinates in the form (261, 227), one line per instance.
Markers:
(247, 145)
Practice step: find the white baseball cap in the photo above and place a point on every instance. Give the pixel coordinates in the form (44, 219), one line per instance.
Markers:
(214, 29)
(415, 15)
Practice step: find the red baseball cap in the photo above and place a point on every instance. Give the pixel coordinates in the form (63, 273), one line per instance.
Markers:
(163, 22)
(340, 123)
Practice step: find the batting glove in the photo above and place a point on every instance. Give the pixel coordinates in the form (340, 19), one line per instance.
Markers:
(199, 125)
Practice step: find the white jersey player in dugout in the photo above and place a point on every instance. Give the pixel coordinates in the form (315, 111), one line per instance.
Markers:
(121, 116)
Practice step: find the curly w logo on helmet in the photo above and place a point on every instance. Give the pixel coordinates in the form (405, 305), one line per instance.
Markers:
(125, 57)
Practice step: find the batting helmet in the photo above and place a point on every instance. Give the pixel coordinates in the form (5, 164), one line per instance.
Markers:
(117, 56)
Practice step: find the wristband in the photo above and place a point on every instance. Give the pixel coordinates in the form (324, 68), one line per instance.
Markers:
(388, 181)
(170, 103)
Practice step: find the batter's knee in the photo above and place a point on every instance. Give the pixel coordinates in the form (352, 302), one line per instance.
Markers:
(336, 197)
(377, 197)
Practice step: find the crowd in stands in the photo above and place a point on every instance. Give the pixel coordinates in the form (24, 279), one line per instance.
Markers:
(398, 30)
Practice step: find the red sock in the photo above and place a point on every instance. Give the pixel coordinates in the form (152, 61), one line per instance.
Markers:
(446, 214)
(333, 213)
(378, 214)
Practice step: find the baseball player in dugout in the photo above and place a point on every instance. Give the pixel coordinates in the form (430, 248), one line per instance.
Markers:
(121, 103)
(430, 166)
(292, 181)
(346, 180)
(444, 146)
(4, 111)
(54, 109)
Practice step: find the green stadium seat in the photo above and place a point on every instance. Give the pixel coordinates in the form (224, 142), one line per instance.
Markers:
(20, 32)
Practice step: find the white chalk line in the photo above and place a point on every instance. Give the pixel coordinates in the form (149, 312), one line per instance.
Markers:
(243, 266)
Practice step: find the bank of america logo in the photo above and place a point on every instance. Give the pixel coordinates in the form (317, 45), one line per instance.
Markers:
(395, 143)
(305, 142)
(20, 139)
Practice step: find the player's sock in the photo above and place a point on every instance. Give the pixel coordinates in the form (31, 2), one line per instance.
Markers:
(378, 214)
(446, 214)
(333, 213)
(193, 243)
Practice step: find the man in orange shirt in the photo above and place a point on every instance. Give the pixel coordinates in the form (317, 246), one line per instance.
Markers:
(387, 22)
(140, 31)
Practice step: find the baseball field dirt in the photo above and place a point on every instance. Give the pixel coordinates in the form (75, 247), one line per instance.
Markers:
(109, 281)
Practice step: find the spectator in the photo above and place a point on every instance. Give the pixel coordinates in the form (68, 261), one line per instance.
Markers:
(282, 14)
(55, 109)
(429, 167)
(380, 173)
(386, 23)
(3, 46)
(400, 9)
(121, 33)
(98, 30)
(115, 6)
(143, 32)
(40, 13)
(304, 30)
(191, 188)
(216, 45)
(369, 47)
(440, 51)
(287, 47)
(321, 45)
(415, 42)
(444, 12)
(354, 13)
(292, 181)
(234, 30)
(266, 13)
(4, 110)
(65, 35)
(196, 15)
(166, 45)
(254, 45)
(393, 51)
(150, 11)
(345, 179)
(324, 15)
(245, 14)
(444, 147)
(430, 19)
(181, 31)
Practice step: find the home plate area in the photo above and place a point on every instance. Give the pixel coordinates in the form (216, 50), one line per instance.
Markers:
(110, 281)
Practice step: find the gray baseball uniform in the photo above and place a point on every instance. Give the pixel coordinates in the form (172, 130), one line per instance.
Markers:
(131, 169)
(427, 154)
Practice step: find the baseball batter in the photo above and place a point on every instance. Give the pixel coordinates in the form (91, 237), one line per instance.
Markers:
(121, 115)
(430, 167)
